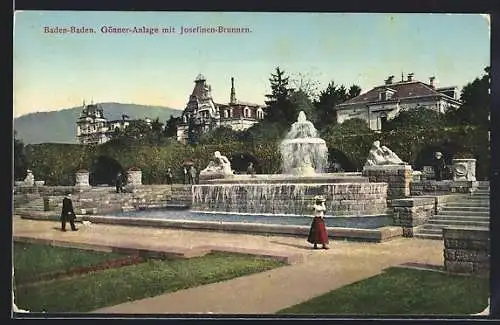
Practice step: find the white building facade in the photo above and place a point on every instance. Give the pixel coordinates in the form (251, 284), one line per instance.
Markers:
(92, 127)
(383, 103)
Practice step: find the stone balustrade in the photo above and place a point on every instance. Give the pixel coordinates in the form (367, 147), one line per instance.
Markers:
(467, 250)
(445, 186)
(412, 212)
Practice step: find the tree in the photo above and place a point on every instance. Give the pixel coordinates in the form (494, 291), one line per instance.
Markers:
(171, 126)
(156, 130)
(220, 135)
(302, 102)
(413, 119)
(265, 131)
(475, 97)
(20, 159)
(328, 99)
(279, 108)
(137, 129)
(306, 84)
(354, 91)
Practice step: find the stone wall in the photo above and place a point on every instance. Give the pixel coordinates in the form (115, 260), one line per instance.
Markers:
(467, 250)
(341, 198)
(447, 186)
(412, 212)
(398, 178)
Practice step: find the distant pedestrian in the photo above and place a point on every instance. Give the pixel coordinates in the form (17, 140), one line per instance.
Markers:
(192, 175)
(439, 166)
(186, 176)
(67, 213)
(119, 182)
(170, 176)
(317, 233)
(251, 169)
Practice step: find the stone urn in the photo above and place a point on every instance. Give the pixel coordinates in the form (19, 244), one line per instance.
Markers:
(464, 169)
(82, 178)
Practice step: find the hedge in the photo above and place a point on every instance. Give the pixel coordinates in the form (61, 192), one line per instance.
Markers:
(57, 163)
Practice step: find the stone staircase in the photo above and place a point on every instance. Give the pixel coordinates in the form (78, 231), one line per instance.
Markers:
(180, 197)
(471, 211)
(32, 205)
(105, 200)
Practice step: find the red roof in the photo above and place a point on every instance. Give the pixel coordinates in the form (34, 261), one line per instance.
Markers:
(403, 90)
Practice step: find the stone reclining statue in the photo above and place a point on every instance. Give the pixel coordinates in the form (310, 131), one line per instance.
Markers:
(219, 167)
(381, 155)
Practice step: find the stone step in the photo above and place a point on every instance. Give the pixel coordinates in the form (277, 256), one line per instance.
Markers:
(458, 222)
(477, 199)
(465, 208)
(428, 236)
(463, 218)
(458, 212)
(477, 196)
(438, 229)
(433, 231)
(468, 204)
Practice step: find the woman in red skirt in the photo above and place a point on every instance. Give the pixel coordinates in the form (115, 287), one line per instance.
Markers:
(317, 233)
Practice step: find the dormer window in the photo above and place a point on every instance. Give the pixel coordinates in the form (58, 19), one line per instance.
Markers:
(386, 94)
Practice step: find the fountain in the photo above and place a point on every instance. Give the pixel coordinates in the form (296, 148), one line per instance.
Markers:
(303, 152)
(304, 158)
(280, 203)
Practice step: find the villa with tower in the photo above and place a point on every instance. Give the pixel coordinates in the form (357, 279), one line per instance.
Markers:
(92, 127)
(201, 110)
(384, 102)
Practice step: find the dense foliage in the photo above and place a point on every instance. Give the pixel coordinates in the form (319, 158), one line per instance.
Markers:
(411, 134)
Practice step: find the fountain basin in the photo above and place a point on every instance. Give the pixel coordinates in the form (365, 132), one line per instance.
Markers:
(353, 198)
(359, 234)
(289, 178)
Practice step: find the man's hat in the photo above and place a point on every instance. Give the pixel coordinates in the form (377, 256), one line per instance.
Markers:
(319, 198)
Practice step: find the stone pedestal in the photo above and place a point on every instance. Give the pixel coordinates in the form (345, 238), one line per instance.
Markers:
(82, 179)
(464, 169)
(467, 250)
(134, 177)
(412, 212)
(398, 178)
(134, 180)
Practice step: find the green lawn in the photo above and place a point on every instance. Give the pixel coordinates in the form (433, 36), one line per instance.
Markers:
(151, 278)
(402, 292)
(31, 260)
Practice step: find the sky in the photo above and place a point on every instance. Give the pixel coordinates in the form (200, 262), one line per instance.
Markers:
(54, 71)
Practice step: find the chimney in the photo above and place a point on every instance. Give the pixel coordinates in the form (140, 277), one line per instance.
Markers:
(431, 82)
(232, 99)
(410, 76)
(389, 80)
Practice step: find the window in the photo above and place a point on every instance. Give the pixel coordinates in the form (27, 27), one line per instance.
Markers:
(246, 112)
(383, 96)
(260, 113)
(226, 113)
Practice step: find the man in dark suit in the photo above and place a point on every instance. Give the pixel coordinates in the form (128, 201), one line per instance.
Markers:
(67, 213)
(119, 182)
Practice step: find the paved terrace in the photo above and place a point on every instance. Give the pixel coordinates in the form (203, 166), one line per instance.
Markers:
(310, 272)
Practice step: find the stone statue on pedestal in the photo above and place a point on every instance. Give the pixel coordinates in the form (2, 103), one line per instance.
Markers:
(219, 167)
(30, 179)
(381, 155)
